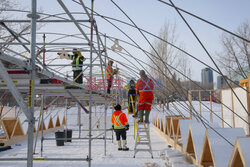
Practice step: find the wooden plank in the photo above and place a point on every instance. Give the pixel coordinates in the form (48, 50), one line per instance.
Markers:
(211, 107)
(222, 116)
(232, 100)
(200, 102)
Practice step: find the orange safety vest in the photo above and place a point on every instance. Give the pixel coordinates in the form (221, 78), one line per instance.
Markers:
(119, 120)
(109, 72)
(145, 87)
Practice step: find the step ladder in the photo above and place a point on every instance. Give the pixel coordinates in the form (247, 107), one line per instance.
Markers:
(142, 138)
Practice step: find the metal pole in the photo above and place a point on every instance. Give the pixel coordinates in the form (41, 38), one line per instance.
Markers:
(31, 122)
(105, 112)
(66, 113)
(79, 120)
(44, 49)
(90, 68)
(39, 124)
(43, 102)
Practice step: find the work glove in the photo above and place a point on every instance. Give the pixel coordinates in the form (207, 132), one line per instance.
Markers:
(127, 127)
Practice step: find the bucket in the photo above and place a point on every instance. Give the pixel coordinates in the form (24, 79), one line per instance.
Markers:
(59, 138)
(68, 133)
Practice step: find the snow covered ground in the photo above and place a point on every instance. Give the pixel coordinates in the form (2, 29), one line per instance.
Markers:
(79, 148)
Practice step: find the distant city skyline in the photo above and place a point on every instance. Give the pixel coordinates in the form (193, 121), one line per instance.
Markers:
(207, 79)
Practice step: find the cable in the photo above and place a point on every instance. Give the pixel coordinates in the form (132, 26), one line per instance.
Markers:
(221, 28)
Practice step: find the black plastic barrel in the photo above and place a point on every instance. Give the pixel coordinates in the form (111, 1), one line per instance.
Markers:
(68, 133)
(59, 138)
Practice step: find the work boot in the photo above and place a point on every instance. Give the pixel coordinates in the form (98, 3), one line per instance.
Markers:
(135, 116)
(124, 145)
(119, 142)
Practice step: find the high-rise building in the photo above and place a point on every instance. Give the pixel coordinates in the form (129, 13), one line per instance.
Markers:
(207, 78)
(221, 82)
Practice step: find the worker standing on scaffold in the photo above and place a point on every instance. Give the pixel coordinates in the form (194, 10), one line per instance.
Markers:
(130, 87)
(77, 63)
(144, 87)
(110, 72)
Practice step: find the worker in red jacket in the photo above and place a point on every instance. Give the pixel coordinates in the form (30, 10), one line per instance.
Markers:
(144, 87)
(120, 125)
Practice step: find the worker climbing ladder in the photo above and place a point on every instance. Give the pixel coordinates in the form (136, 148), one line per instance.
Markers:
(141, 135)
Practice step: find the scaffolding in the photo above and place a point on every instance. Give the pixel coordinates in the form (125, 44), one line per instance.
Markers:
(34, 71)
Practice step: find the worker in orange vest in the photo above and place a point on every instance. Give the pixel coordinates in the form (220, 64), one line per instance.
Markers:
(144, 87)
(110, 72)
(120, 125)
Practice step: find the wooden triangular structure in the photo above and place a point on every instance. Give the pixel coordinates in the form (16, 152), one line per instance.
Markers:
(58, 122)
(51, 125)
(216, 151)
(241, 153)
(64, 120)
(18, 130)
(12, 127)
(206, 158)
(42, 124)
(190, 148)
(174, 126)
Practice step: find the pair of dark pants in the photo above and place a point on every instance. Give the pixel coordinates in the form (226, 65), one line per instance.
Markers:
(120, 133)
(131, 104)
(110, 80)
(132, 93)
(78, 76)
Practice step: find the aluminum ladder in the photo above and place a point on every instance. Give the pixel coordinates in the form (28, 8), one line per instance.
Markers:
(142, 139)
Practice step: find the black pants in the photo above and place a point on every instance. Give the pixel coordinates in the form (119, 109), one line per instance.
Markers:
(110, 80)
(120, 133)
(130, 104)
(78, 79)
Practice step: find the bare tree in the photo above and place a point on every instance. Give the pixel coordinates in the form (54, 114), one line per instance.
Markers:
(168, 55)
(9, 10)
(235, 57)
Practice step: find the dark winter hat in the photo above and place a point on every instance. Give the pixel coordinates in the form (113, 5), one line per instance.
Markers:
(142, 73)
(74, 50)
(118, 107)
